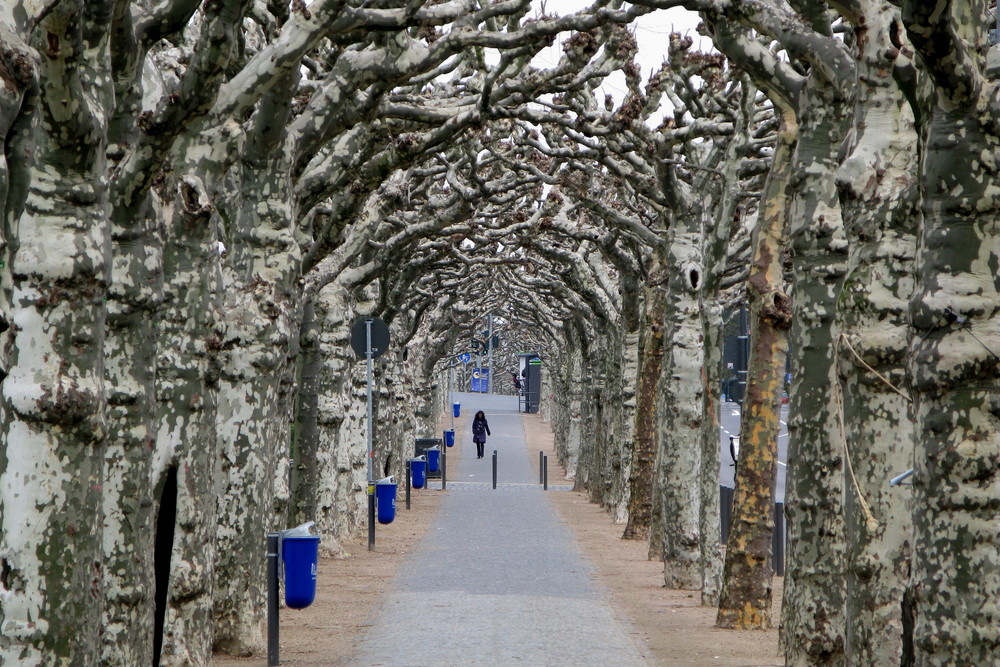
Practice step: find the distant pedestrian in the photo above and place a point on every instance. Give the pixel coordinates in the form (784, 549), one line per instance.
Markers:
(480, 429)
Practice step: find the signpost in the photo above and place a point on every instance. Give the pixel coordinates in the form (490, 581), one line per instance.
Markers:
(370, 338)
(480, 380)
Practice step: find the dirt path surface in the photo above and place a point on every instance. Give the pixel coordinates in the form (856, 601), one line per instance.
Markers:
(667, 626)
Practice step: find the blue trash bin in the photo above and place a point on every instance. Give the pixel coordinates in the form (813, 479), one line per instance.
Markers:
(449, 437)
(418, 472)
(385, 499)
(457, 409)
(433, 459)
(300, 555)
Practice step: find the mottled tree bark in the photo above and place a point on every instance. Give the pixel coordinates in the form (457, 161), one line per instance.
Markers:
(953, 362)
(640, 507)
(813, 612)
(681, 409)
(260, 313)
(745, 601)
(129, 506)
(54, 403)
(880, 218)
(188, 367)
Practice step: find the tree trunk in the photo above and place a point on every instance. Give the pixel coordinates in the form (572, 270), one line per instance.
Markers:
(261, 313)
(813, 610)
(305, 444)
(953, 362)
(187, 385)
(54, 405)
(640, 506)
(881, 219)
(136, 293)
(681, 393)
(746, 589)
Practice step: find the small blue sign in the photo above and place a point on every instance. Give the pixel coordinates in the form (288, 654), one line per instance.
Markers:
(465, 357)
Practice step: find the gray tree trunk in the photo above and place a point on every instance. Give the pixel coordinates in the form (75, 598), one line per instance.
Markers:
(261, 316)
(188, 367)
(681, 410)
(745, 601)
(640, 508)
(54, 404)
(952, 361)
(880, 218)
(813, 611)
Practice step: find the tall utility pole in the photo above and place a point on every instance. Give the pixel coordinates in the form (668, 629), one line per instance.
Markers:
(489, 341)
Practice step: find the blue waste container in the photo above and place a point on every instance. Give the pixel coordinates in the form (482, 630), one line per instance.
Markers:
(418, 472)
(385, 500)
(449, 437)
(433, 459)
(457, 409)
(300, 555)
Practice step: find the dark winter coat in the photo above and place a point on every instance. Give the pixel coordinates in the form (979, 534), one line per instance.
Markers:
(480, 429)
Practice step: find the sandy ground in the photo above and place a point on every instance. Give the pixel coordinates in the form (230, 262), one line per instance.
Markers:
(675, 628)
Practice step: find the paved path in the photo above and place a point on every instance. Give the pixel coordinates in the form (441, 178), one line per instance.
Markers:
(498, 579)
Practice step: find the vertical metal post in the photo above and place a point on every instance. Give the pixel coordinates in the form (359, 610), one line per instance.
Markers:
(726, 510)
(778, 558)
(494, 469)
(541, 462)
(371, 454)
(489, 341)
(272, 599)
(407, 485)
(545, 473)
(444, 467)
(451, 399)
(743, 356)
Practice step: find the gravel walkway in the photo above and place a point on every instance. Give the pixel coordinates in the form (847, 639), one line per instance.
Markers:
(498, 579)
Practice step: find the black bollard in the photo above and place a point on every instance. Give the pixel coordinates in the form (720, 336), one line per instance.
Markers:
(545, 473)
(541, 479)
(494, 469)
(371, 516)
(272, 599)
(444, 469)
(407, 485)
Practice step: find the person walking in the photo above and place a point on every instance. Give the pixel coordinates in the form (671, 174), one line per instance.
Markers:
(480, 429)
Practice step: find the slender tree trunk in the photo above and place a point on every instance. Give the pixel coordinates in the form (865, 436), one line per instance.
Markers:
(305, 468)
(813, 612)
(54, 431)
(716, 243)
(624, 433)
(261, 311)
(135, 295)
(680, 450)
(953, 362)
(187, 386)
(746, 590)
(640, 507)
(881, 219)
(341, 503)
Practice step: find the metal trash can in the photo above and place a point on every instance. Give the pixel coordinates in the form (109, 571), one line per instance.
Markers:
(418, 472)
(385, 499)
